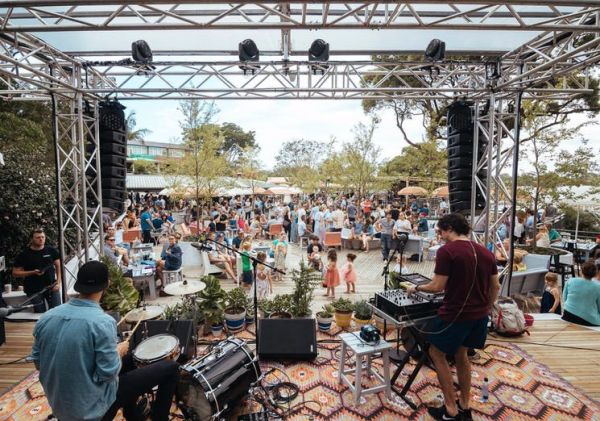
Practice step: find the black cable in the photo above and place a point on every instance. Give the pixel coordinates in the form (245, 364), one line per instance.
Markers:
(21, 360)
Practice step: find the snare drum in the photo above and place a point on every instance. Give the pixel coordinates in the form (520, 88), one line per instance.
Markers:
(157, 348)
(212, 385)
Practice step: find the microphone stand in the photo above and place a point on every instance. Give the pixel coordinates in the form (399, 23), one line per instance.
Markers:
(255, 263)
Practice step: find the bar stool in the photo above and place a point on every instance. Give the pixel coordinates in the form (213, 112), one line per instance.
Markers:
(363, 349)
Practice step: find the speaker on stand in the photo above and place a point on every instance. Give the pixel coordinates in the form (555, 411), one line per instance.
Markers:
(113, 154)
(460, 159)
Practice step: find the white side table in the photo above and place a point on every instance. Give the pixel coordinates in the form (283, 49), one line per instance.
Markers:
(362, 349)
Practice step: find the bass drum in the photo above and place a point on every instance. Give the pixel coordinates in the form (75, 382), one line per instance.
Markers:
(212, 385)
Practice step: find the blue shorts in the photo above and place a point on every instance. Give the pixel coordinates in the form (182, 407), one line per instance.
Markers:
(470, 334)
(247, 277)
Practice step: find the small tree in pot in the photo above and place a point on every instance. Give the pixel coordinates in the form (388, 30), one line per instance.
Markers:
(235, 312)
(281, 307)
(305, 281)
(343, 311)
(212, 304)
(120, 296)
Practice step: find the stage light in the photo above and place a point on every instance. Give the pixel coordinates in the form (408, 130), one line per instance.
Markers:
(435, 51)
(493, 70)
(318, 51)
(248, 52)
(141, 52)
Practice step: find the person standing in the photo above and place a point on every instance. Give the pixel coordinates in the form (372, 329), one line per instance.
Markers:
(146, 225)
(387, 229)
(78, 356)
(352, 212)
(39, 265)
(466, 271)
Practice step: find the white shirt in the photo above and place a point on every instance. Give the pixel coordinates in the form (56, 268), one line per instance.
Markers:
(338, 219)
(403, 226)
(301, 213)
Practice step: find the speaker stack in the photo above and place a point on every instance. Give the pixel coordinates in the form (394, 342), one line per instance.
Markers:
(113, 154)
(460, 159)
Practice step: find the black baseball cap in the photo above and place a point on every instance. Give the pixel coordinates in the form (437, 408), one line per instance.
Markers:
(92, 277)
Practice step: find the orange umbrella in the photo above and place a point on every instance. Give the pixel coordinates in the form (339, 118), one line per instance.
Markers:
(440, 192)
(412, 191)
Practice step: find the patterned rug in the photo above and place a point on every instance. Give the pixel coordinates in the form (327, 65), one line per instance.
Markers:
(520, 389)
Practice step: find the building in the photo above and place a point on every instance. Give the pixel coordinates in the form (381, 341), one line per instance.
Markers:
(152, 151)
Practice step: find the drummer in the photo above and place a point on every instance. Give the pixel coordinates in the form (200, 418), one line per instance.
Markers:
(85, 373)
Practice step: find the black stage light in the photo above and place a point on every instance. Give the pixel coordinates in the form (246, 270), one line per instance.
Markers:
(248, 52)
(435, 51)
(141, 52)
(493, 70)
(318, 51)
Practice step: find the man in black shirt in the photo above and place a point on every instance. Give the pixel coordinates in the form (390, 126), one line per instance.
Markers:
(39, 265)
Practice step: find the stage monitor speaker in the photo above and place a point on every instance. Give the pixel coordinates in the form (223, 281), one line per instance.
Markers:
(287, 339)
(180, 328)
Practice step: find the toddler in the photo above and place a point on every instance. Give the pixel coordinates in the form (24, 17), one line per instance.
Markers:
(315, 259)
(264, 287)
(332, 276)
(279, 260)
(246, 266)
(551, 299)
(349, 273)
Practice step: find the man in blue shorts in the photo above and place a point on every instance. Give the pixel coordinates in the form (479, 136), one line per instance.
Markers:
(467, 274)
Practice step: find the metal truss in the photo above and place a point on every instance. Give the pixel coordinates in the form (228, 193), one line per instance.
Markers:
(95, 15)
(78, 177)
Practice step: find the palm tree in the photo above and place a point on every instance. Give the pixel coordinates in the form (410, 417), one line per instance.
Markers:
(132, 133)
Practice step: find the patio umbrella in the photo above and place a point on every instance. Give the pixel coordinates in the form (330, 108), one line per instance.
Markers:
(440, 192)
(412, 191)
(259, 190)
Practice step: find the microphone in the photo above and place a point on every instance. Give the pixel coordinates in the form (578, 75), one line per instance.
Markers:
(7, 311)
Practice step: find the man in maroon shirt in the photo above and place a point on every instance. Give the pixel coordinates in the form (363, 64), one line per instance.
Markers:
(467, 273)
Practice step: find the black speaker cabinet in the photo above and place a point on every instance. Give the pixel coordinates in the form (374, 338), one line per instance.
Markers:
(287, 339)
(180, 328)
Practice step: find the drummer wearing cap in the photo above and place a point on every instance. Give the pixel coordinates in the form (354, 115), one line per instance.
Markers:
(86, 374)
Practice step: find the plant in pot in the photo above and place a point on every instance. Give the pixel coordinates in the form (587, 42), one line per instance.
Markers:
(281, 307)
(212, 303)
(120, 296)
(325, 317)
(184, 311)
(305, 281)
(362, 313)
(249, 310)
(265, 306)
(235, 312)
(343, 311)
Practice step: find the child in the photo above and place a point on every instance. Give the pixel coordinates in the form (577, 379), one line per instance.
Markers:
(349, 273)
(279, 260)
(401, 270)
(332, 276)
(551, 299)
(246, 266)
(264, 287)
(518, 264)
(315, 259)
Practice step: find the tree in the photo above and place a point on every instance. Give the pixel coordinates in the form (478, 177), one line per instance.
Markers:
(362, 158)
(429, 161)
(236, 141)
(250, 168)
(132, 133)
(299, 160)
(142, 166)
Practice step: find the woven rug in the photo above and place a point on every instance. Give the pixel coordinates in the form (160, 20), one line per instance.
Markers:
(520, 389)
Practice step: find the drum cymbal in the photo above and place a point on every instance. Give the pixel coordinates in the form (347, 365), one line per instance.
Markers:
(184, 288)
(147, 313)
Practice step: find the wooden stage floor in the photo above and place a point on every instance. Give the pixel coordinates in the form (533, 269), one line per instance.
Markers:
(552, 342)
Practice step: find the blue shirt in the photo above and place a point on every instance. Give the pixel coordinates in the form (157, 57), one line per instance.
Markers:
(581, 297)
(75, 346)
(146, 219)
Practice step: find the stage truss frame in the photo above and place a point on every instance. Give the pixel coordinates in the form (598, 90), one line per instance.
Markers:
(554, 65)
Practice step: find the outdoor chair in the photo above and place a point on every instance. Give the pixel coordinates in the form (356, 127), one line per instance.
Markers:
(333, 239)
(274, 230)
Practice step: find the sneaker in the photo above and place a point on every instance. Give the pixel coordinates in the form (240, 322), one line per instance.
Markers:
(465, 414)
(439, 413)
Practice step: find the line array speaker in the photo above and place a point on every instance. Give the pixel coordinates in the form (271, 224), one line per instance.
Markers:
(113, 154)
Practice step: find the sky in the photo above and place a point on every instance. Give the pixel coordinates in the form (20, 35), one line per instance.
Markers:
(277, 121)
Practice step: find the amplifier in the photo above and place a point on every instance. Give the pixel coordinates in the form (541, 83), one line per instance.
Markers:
(400, 306)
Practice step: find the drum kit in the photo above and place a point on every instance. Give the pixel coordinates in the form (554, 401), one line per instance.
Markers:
(210, 385)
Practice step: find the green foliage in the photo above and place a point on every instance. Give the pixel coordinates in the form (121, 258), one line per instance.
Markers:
(132, 133)
(183, 311)
(281, 302)
(237, 298)
(362, 310)
(305, 281)
(266, 305)
(299, 161)
(343, 304)
(120, 295)
(213, 298)
(28, 198)
(587, 220)
(394, 280)
(142, 166)
(327, 311)
(236, 141)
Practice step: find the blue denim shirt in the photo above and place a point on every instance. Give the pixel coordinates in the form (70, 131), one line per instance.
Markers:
(75, 346)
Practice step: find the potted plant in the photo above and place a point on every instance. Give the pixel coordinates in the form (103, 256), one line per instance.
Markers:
(212, 303)
(265, 306)
(362, 313)
(120, 296)
(325, 317)
(235, 312)
(281, 307)
(393, 280)
(305, 280)
(343, 311)
(249, 310)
